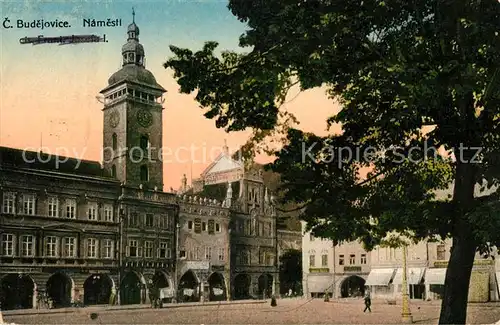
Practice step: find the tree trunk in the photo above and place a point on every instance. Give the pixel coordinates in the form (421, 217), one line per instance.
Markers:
(456, 287)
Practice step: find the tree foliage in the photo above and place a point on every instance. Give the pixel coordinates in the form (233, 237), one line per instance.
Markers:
(411, 76)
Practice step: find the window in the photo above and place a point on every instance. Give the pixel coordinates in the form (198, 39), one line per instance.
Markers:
(53, 205)
(217, 227)
(29, 204)
(108, 248)
(113, 171)
(165, 251)
(144, 143)
(108, 213)
(134, 219)
(270, 229)
(150, 220)
(203, 226)
(244, 257)
(221, 253)
(144, 173)
(133, 249)
(51, 246)
(92, 211)
(441, 252)
(70, 247)
(341, 259)
(208, 253)
(197, 225)
(312, 260)
(352, 259)
(190, 225)
(324, 260)
(71, 208)
(92, 248)
(211, 227)
(7, 244)
(9, 199)
(114, 141)
(148, 249)
(363, 258)
(311, 237)
(28, 246)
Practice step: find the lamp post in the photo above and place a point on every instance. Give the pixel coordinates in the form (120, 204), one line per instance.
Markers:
(406, 316)
(228, 265)
(177, 256)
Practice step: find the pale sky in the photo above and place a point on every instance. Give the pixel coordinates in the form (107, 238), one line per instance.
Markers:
(48, 92)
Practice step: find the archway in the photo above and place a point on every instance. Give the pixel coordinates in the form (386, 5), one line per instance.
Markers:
(59, 288)
(352, 286)
(130, 289)
(217, 287)
(265, 285)
(16, 292)
(188, 287)
(97, 289)
(159, 282)
(242, 286)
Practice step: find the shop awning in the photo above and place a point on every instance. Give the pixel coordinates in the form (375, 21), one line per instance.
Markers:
(414, 275)
(435, 276)
(319, 283)
(379, 277)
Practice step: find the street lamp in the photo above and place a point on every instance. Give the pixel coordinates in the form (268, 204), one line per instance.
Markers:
(406, 316)
(177, 256)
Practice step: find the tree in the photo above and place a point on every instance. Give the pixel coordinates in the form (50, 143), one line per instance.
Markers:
(411, 76)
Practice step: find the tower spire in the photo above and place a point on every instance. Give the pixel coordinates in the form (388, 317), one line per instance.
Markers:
(133, 15)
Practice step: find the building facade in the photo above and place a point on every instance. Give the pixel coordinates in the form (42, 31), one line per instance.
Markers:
(252, 229)
(203, 266)
(337, 270)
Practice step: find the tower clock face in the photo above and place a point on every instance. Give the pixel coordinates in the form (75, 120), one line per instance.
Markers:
(145, 118)
(114, 119)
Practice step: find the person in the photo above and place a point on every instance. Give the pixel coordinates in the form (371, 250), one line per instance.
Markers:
(368, 302)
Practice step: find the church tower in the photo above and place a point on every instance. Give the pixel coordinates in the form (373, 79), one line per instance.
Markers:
(133, 109)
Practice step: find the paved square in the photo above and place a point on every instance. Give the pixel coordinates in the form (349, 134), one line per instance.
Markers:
(287, 312)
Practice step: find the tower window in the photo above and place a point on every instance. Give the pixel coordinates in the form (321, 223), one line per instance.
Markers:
(144, 173)
(130, 57)
(113, 171)
(144, 143)
(115, 141)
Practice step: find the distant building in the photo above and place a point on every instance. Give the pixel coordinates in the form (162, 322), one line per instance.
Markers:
(339, 270)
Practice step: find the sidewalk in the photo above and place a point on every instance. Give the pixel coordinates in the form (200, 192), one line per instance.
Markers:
(108, 308)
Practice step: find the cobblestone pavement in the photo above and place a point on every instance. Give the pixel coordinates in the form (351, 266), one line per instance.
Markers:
(287, 312)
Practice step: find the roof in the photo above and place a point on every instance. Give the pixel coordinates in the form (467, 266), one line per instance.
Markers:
(134, 73)
(19, 158)
(222, 163)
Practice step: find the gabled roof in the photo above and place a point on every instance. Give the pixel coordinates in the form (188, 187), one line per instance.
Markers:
(222, 163)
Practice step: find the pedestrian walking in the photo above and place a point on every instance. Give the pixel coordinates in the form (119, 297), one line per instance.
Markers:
(368, 302)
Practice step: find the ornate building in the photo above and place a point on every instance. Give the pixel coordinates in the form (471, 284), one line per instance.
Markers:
(252, 224)
(74, 230)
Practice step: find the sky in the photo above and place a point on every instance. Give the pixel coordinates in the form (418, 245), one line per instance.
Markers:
(48, 92)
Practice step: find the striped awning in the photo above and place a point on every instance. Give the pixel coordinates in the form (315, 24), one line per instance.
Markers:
(435, 276)
(319, 283)
(414, 275)
(379, 277)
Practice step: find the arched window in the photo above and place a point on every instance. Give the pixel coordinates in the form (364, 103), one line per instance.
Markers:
(113, 171)
(144, 173)
(115, 141)
(144, 142)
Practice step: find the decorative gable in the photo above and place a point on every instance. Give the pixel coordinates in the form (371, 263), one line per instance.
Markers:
(222, 164)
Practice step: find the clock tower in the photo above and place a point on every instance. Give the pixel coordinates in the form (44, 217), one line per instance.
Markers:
(133, 108)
